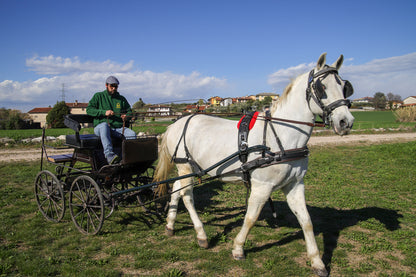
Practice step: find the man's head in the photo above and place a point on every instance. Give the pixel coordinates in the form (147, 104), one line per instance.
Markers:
(111, 84)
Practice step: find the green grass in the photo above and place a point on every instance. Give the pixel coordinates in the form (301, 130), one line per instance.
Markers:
(377, 120)
(364, 122)
(361, 200)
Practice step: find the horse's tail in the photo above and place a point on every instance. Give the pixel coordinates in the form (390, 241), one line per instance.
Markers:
(163, 167)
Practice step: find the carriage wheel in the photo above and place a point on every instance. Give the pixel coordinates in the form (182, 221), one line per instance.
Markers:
(49, 196)
(86, 205)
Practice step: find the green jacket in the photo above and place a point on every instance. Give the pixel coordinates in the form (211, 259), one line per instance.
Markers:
(103, 101)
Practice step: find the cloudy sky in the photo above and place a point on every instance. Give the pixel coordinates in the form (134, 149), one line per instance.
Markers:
(164, 51)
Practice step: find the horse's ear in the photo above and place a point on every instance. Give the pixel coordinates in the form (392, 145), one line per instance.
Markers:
(339, 62)
(321, 61)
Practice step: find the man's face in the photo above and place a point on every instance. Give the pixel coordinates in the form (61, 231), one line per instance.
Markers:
(111, 88)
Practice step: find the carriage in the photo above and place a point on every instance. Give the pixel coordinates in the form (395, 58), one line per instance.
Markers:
(90, 183)
(274, 156)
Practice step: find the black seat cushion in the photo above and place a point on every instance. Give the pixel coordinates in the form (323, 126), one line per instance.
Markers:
(85, 141)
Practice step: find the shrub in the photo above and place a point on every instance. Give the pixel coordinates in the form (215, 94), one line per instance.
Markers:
(407, 114)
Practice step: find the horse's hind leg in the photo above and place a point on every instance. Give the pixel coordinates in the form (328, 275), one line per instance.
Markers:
(187, 196)
(295, 196)
(173, 208)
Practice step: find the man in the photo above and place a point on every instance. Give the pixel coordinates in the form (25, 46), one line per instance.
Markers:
(109, 110)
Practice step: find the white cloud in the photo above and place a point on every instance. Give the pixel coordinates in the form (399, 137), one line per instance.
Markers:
(58, 65)
(394, 74)
(82, 79)
(281, 78)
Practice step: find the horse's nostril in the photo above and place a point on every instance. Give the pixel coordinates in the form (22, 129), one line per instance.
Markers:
(343, 124)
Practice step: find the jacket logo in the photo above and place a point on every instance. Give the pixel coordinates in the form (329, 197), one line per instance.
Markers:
(118, 106)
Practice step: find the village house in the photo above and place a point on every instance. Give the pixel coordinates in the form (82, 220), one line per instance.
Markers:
(215, 101)
(38, 115)
(225, 102)
(262, 96)
(409, 101)
(363, 100)
(159, 110)
(243, 99)
(195, 108)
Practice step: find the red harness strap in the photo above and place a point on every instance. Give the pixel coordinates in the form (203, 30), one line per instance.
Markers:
(252, 121)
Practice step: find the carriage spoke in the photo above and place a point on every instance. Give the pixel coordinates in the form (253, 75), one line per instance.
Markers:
(86, 205)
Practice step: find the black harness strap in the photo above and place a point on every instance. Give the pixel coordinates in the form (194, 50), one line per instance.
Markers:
(243, 136)
(243, 132)
(188, 157)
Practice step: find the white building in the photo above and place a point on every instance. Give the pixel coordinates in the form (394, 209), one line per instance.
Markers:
(409, 101)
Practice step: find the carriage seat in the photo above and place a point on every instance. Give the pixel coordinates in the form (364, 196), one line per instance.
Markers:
(74, 122)
(87, 141)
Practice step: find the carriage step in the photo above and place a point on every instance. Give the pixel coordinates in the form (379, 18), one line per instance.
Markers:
(60, 158)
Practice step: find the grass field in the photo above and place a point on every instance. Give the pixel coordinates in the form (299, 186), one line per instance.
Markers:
(361, 200)
(364, 122)
(377, 119)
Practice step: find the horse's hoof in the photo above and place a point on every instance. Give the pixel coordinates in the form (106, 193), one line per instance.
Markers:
(239, 257)
(203, 243)
(321, 272)
(169, 232)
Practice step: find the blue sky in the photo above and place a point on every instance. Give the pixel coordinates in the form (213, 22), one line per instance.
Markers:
(165, 51)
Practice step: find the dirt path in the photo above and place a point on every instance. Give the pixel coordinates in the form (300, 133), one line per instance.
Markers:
(362, 139)
(32, 154)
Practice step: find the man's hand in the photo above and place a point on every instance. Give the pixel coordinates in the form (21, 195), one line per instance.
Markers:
(109, 113)
(123, 116)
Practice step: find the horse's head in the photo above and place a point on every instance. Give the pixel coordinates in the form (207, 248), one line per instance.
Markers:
(327, 95)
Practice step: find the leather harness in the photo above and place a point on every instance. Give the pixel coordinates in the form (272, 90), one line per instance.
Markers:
(267, 158)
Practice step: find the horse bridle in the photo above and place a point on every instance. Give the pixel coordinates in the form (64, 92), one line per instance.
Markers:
(316, 91)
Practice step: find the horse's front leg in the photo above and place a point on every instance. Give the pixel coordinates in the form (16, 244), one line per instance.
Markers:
(258, 198)
(295, 196)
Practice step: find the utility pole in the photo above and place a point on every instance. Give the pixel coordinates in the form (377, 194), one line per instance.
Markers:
(63, 92)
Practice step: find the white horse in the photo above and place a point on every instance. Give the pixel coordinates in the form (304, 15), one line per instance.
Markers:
(206, 140)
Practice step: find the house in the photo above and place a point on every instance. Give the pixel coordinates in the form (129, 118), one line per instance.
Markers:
(38, 115)
(393, 104)
(363, 100)
(225, 102)
(409, 101)
(195, 108)
(77, 107)
(159, 110)
(261, 96)
(215, 101)
(243, 99)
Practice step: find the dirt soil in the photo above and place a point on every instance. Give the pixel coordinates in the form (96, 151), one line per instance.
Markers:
(33, 154)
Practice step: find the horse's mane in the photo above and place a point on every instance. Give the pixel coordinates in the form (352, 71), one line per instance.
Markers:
(286, 92)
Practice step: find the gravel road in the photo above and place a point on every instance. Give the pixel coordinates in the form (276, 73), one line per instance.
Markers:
(32, 154)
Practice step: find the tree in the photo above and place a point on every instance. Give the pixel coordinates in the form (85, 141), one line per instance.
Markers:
(391, 98)
(267, 100)
(138, 105)
(379, 101)
(12, 119)
(55, 117)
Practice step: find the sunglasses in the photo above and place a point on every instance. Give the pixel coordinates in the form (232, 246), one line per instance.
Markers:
(113, 85)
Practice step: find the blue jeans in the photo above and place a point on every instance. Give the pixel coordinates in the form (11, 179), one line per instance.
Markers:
(105, 133)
